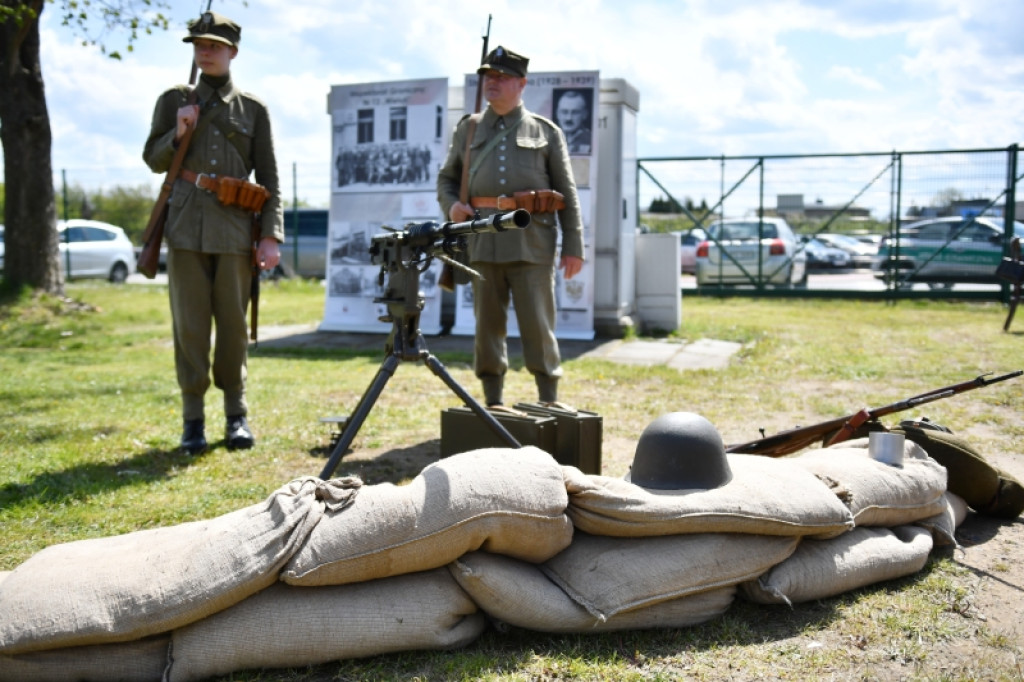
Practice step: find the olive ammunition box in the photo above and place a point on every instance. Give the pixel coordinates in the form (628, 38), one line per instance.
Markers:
(579, 435)
(462, 430)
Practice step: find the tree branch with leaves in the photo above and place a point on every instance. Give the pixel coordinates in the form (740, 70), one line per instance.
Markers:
(31, 244)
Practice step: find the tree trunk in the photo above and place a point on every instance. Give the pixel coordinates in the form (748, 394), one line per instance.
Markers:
(32, 257)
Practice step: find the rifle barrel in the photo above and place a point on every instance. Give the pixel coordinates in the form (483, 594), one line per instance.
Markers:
(792, 440)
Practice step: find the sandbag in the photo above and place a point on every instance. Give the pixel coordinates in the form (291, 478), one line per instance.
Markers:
(765, 497)
(143, 660)
(286, 626)
(608, 575)
(986, 488)
(825, 568)
(502, 500)
(518, 593)
(879, 494)
(126, 587)
(943, 525)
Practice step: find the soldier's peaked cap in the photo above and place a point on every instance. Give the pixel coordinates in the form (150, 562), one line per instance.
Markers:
(213, 26)
(505, 61)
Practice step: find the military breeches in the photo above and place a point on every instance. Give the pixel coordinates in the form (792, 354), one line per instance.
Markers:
(208, 289)
(531, 288)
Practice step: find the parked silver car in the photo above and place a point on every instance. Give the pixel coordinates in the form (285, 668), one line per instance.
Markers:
(751, 250)
(861, 253)
(95, 249)
(821, 255)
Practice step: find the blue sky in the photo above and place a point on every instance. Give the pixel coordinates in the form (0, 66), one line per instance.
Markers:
(734, 78)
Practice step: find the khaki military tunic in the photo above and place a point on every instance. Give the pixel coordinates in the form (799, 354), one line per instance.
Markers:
(517, 263)
(209, 244)
(535, 157)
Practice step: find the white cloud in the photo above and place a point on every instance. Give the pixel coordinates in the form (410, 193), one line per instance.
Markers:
(741, 78)
(854, 77)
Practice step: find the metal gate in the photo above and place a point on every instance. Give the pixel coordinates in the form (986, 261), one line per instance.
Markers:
(931, 223)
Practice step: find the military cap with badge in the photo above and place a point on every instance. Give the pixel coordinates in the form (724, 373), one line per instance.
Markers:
(213, 26)
(505, 61)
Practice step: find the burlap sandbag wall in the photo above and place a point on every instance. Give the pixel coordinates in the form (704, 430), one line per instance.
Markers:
(765, 497)
(286, 626)
(142, 660)
(826, 568)
(323, 571)
(518, 593)
(126, 587)
(503, 500)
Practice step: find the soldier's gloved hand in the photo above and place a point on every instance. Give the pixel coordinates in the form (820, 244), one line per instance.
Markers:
(460, 212)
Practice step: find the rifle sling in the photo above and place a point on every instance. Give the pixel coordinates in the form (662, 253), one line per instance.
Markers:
(176, 163)
(156, 215)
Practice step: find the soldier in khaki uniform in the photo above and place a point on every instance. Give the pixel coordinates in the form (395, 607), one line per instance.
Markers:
(513, 151)
(209, 259)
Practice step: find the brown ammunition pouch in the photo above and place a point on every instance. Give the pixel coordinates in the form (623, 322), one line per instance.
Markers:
(236, 192)
(534, 201)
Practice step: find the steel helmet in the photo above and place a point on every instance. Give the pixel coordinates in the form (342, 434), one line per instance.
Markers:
(680, 451)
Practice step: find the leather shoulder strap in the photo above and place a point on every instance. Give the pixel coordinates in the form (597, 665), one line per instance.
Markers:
(470, 134)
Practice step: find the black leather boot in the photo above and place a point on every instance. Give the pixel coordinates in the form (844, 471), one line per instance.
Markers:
(193, 436)
(237, 433)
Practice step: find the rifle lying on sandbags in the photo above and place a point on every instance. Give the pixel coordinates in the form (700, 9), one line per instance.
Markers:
(838, 430)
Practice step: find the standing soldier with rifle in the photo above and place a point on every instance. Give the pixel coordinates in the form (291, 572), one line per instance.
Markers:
(500, 160)
(219, 227)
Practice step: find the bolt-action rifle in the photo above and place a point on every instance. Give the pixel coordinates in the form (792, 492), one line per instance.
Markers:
(149, 257)
(837, 430)
(448, 278)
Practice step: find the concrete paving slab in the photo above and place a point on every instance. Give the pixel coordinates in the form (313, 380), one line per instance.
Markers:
(677, 354)
(705, 354)
(637, 352)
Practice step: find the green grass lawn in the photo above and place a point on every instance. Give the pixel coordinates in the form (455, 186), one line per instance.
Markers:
(91, 420)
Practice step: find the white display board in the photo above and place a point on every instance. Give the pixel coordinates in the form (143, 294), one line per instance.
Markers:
(570, 99)
(388, 141)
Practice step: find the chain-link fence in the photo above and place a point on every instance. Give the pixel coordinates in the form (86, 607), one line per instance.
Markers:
(124, 196)
(928, 223)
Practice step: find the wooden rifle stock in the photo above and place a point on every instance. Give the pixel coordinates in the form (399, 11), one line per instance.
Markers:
(254, 286)
(149, 258)
(838, 430)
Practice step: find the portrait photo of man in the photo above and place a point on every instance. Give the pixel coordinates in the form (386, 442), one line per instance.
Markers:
(572, 113)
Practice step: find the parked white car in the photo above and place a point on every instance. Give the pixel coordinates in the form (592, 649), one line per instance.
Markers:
(751, 250)
(95, 249)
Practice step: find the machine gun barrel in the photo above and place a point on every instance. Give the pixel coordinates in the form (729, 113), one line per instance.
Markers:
(426, 234)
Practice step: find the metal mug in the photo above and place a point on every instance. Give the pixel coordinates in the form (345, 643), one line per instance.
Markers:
(886, 448)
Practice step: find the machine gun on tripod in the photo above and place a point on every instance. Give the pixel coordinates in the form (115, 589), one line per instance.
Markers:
(403, 255)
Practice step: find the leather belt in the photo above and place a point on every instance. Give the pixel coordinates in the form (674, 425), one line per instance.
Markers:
(498, 203)
(200, 180)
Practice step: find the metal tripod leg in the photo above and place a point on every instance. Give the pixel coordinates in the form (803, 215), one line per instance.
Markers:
(438, 368)
(376, 387)
(348, 434)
